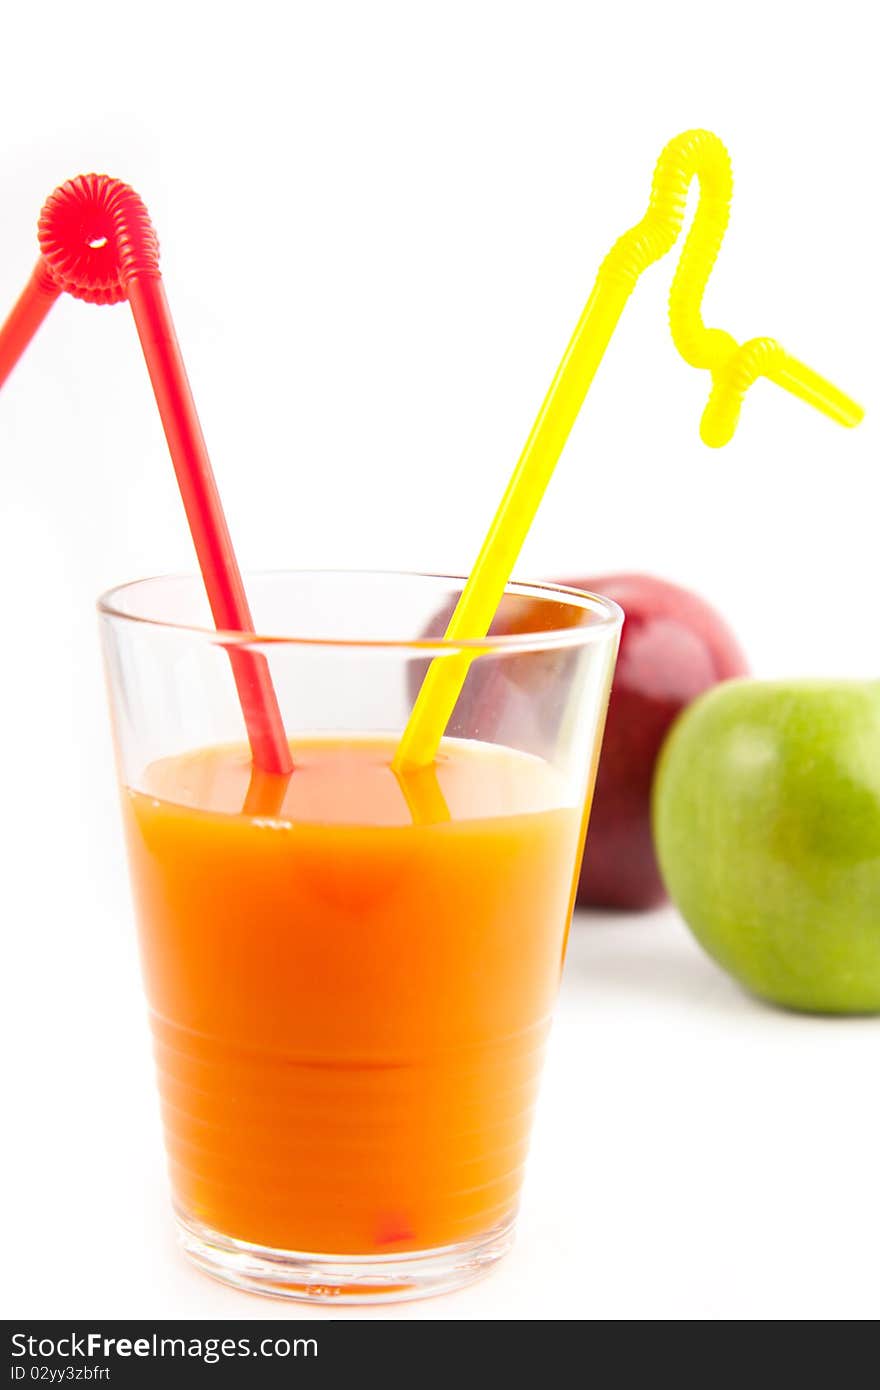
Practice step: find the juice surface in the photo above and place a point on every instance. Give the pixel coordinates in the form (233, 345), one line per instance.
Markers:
(349, 1007)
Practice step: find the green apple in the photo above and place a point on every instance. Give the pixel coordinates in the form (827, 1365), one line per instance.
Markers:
(766, 816)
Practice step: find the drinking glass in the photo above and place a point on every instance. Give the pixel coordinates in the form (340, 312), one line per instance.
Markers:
(350, 972)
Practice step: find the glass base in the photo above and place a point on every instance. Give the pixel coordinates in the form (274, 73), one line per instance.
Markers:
(344, 1279)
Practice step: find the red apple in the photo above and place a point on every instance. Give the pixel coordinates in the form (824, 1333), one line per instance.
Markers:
(673, 647)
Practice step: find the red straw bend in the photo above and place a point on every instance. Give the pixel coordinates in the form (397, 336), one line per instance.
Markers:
(98, 244)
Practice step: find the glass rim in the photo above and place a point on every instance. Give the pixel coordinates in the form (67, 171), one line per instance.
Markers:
(608, 615)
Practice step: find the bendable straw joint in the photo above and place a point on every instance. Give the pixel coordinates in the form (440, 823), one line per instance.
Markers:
(43, 279)
(96, 236)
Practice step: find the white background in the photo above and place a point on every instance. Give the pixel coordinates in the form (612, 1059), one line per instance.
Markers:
(379, 224)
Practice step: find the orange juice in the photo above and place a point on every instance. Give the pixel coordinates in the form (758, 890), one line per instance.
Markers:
(349, 1007)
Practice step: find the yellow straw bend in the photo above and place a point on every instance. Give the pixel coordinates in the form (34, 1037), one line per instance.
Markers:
(733, 367)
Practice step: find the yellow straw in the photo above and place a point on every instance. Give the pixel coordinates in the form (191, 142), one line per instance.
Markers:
(733, 367)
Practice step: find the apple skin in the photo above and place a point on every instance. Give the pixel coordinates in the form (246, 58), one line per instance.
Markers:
(673, 647)
(767, 823)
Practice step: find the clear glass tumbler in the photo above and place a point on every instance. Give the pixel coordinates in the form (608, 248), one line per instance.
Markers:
(350, 973)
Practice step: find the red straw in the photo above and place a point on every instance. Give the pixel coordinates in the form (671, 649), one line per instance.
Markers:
(98, 244)
(34, 303)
